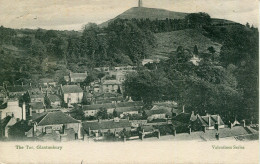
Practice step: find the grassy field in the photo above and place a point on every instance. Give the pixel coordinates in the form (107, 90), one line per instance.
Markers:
(169, 41)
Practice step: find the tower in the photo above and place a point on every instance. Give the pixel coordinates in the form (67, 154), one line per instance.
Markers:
(140, 3)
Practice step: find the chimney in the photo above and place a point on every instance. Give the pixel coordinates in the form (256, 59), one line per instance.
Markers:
(30, 84)
(23, 111)
(140, 3)
(22, 83)
(34, 129)
(244, 123)
(230, 124)
(79, 132)
(159, 135)
(218, 120)
(189, 130)
(174, 132)
(209, 120)
(89, 131)
(183, 109)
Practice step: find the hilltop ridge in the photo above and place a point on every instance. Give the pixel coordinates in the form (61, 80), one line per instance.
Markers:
(144, 13)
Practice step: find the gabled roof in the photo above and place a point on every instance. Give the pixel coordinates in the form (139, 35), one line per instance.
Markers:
(71, 89)
(54, 98)
(79, 77)
(204, 120)
(111, 124)
(54, 118)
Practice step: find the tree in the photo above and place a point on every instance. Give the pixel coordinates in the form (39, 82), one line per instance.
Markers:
(102, 113)
(195, 51)
(211, 50)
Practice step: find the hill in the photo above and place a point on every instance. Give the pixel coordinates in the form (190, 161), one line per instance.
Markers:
(143, 13)
(169, 41)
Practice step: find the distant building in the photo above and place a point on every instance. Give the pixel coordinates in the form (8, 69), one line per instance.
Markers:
(158, 114)
(47, 82)
(34, 95)
(53, 101)
(6, 123)
(71, 94)
(146, 61)
(55, 122)
(17, 90)
(12, 109)
(36, 107)
(101, 127)
(77, 77)
(111, 86)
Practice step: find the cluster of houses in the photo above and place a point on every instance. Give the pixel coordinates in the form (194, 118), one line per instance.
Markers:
(45, 112)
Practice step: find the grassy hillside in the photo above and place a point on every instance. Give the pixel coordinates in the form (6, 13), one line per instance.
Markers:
(169, 41)
(143, 13)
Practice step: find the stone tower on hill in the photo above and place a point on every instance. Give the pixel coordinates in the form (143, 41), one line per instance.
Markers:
(140, 3)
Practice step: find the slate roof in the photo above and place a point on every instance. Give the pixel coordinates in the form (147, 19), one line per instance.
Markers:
(98, 106)
(204, 120)
(112, 105)
(54, 98)
(106, 125)
(111, 82)
(54, 118)
(37, 105)
(71, 89)
(127, 109)
(46, 80)
(5, 121)
(78, 75)
(18, 88)
(159, 111)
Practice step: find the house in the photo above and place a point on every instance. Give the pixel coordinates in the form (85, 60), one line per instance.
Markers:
(122, 107)
(199, 123)
(12, 108)
(6, 123)
(71, 94)
(108, 98)
(210, 122)
(77, 77)
(53, 101)
(36, 107)
(158, 114)
(103, 69)
(92, 110)
(47, 82)
(17, 90)
(55, 122)
(124, 111)
(146, 61)
(34, 95)
(111, 86)
(101, 127)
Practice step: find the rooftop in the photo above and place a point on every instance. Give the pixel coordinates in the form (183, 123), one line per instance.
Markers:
(54, 118)
(159, 111)
(37, 105)
(111, 124)
(18, 88)
(54, 98)
(71, 89)
(111, 82)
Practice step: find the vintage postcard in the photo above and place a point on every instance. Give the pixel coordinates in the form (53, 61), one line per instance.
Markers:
(129, 81)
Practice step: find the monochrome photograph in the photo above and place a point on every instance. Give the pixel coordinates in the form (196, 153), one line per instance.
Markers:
(128, 72)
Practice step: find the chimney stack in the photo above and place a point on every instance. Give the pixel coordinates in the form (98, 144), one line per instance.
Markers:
(23, 112)
(79, 132)
(209, 120)
(183, 109)
(244, 123)
(140, 3)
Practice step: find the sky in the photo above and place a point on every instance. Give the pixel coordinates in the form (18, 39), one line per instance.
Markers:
(74, 14)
